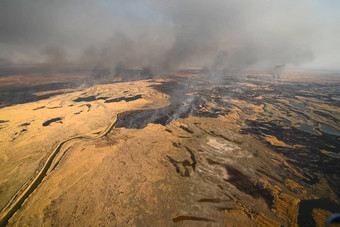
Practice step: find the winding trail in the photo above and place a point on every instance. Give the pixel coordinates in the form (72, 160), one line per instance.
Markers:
(22, 194)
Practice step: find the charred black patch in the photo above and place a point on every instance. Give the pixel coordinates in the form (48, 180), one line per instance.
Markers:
(244, 184)
(308, 158)
(89, 99)
(140, 118)
(94, 98)
(24, 124)
(85, 99)
(48, 122)
(38, 108)
(181, 105)
(305, 217)
(205, 200)
(186, 129)
(22, 94)
(191, 218)
(126, 99)
(54, 107)
(78, 112)
(294, 136)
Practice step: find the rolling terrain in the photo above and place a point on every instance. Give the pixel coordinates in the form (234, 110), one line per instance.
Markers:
(187, 150)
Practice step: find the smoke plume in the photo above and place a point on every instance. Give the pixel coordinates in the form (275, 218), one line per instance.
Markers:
(230, 35)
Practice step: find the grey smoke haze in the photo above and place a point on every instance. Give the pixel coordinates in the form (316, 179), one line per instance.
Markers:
(164, 35)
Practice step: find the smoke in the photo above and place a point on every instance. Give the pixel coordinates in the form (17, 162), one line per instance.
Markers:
(231, 35)
(234, 35)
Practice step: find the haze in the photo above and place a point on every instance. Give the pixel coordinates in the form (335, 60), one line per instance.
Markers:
(164, 35)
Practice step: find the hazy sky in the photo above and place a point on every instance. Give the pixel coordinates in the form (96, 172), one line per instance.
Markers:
(232, 34)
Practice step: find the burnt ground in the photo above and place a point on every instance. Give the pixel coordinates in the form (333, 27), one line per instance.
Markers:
(312, 163)
(94, 98)
(307, 206)
(308, 158)
(293, 122)
(294, 113)
(188, 97)
(23, 94)
(204, 98)
(21, 90)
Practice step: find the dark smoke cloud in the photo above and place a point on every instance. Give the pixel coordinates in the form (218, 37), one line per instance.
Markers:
(239, 34)
(164, 35)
